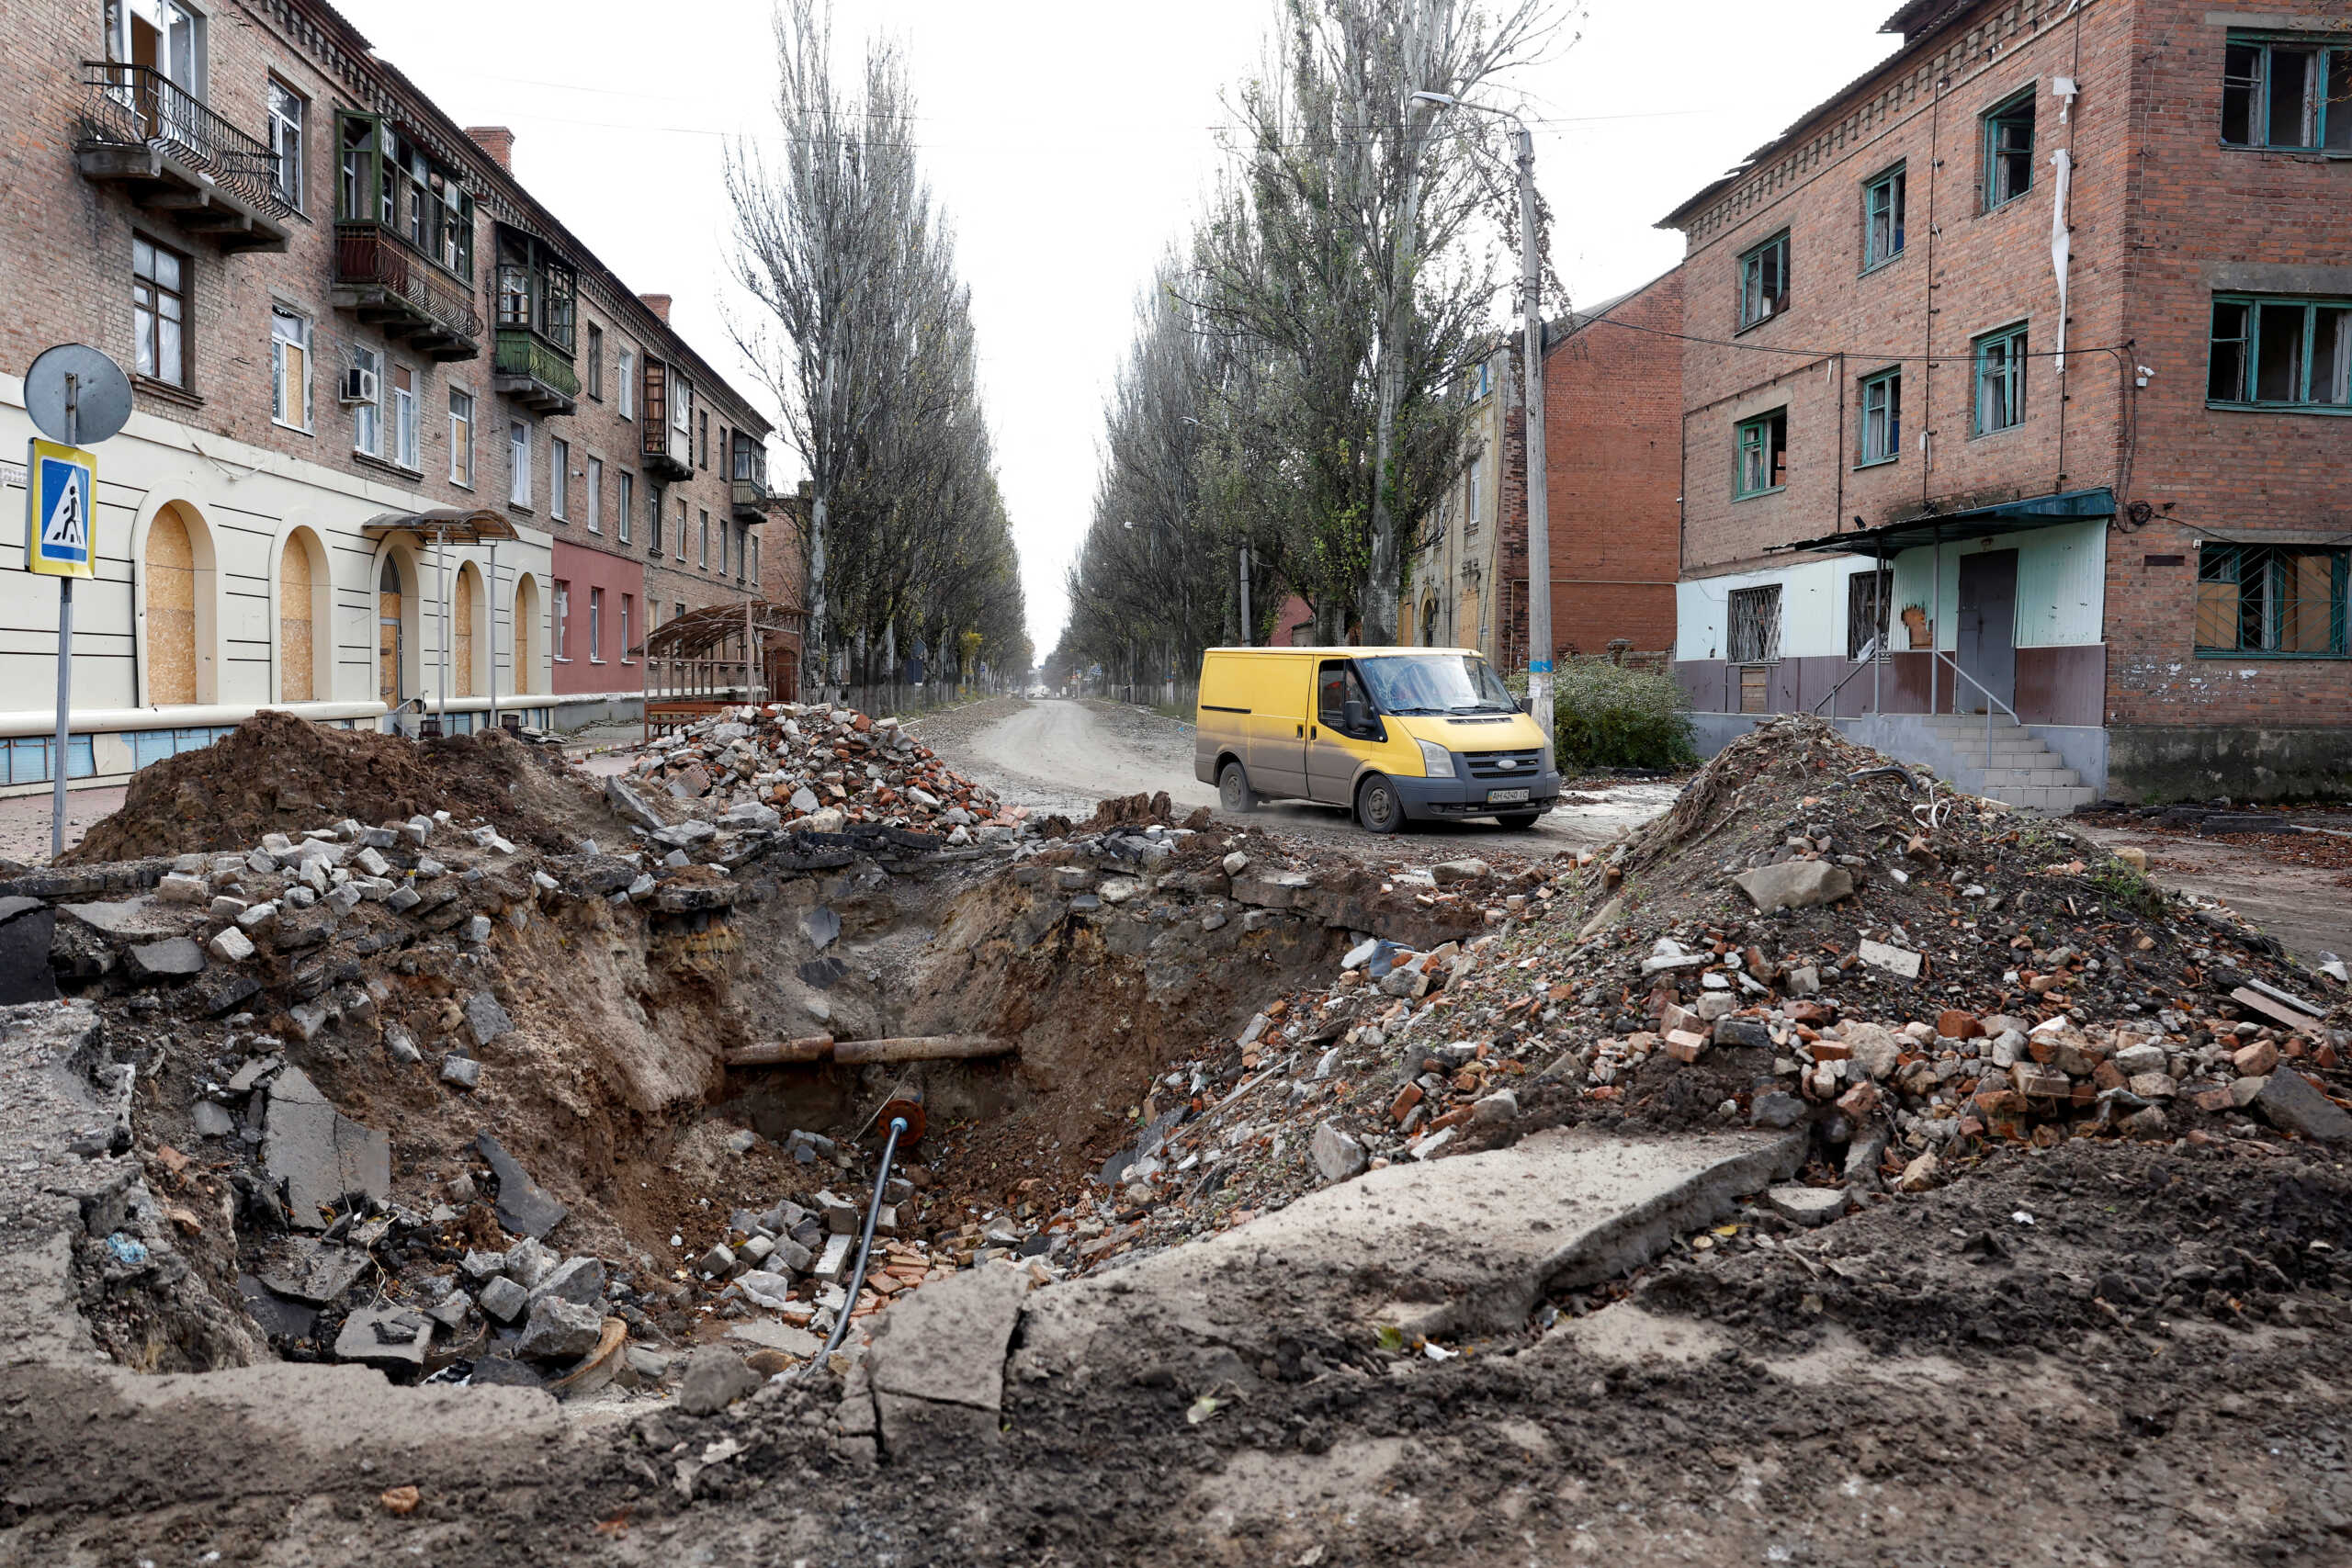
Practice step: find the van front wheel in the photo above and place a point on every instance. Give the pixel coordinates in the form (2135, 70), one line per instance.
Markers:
(1378, 807)
(1233, 791)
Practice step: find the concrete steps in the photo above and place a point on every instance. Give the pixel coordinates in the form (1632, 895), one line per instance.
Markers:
(2020, 770)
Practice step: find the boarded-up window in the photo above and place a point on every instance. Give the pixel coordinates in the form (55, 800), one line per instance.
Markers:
(464, 647)
(1755, 633)
(171, 610)
(2271, 599)
(295, 656)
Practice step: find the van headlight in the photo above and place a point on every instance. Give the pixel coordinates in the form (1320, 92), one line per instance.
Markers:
(1436, 761)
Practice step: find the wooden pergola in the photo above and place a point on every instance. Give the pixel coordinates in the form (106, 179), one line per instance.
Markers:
(695, 663)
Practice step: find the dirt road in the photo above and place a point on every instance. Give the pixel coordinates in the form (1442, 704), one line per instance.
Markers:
(1063, 756)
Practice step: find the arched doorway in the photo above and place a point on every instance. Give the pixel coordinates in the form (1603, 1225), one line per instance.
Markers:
(304, 608)
(391, 651)
(469, 600)
(176, 563)
(526, 633)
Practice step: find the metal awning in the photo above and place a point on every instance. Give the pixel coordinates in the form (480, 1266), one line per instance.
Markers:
(1976, 523)
(696, 631)
(443, 524)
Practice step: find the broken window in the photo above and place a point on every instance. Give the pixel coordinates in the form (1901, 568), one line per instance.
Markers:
(1764, 280)
(2008, 149)
(1866, 596)
(2286, 92)
(1882, 218)
(1754, 627)
(1763, 454)
(2271, 599)
(2000, 379)
(2280, 352)
(1882, 418)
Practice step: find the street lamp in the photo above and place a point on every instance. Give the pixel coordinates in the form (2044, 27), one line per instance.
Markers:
(1538, 513)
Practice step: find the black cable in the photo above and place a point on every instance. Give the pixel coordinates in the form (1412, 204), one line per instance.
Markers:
(864, 1248)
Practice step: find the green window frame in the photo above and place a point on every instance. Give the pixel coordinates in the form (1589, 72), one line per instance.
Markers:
(2000, 358)
(385, 179)
(1764, 280)
(1882, 218)
(2271, 602)
(2280, 352)
(538, 289)
(1881, 425)
(2008, 149)
(2287, 93)
(1760, 455)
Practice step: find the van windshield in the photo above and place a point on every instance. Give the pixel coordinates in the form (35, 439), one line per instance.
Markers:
(1435, 684)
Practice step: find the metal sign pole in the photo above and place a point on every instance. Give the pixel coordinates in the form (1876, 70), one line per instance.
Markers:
(58, 763)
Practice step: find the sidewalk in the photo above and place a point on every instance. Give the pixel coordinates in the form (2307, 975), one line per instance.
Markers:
(24, 820)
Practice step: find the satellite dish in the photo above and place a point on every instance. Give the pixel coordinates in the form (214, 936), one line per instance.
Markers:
(100, 393)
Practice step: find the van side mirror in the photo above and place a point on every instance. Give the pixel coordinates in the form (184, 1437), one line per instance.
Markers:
(1351, 712)
(1527, 706)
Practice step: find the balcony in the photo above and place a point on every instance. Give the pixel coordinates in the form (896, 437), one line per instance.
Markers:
(141, 129)
(379, 279)
(533, 372)
(748, 497)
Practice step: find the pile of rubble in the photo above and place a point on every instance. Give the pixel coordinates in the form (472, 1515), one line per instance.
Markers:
(816, 769)
(1811, 937)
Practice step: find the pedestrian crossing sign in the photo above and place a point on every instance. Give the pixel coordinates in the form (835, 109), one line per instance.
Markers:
(61, 497)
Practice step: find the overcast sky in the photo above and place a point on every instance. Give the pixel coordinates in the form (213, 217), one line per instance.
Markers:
(1070, 141)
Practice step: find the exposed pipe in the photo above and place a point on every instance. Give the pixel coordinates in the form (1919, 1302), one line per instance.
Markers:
(865, 1249)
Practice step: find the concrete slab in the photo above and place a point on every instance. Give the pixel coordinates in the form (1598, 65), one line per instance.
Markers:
(318, 1151)
(525, 1207)
(1459, 1246)
(936, 1360)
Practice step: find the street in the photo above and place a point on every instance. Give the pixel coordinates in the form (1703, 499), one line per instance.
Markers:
(1063, 756)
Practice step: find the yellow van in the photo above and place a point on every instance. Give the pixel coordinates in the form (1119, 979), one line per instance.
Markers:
(1397, 733)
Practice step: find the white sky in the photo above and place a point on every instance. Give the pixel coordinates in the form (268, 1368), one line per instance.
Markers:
(1070, 141)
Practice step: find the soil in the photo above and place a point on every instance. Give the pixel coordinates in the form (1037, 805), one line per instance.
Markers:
(278, 773)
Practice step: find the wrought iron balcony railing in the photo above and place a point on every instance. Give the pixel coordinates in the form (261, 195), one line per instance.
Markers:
(139, 107)
(388, 278)
(534, 371)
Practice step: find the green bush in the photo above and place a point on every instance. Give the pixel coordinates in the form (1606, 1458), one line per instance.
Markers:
(1609, 715)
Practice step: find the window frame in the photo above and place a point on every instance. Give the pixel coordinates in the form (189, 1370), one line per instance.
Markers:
(622, 530)
(629, 606)
(1471, 509)
(625, 375)
(461, 447)
(702, 559)
(1751, 263)
(1881, 595)
(560, 601)
(1990, 151)
(2339, 602)
(2249, 349)
(289, 191)
(560, 478)
(405, 430)
(279, 379)
(366, 417)
(1768, 627)
(2015, 338)
(594, 382)
(2331, 61)
(596, 623)
(156, 316)
(1895, 179)
(1864, 456)
(1775, 460)
(518, 464)
(592, 480)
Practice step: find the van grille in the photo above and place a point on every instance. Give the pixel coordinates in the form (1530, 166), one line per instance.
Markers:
(1502, 764)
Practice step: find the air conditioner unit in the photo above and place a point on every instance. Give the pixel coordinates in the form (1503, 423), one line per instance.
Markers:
(359, 384)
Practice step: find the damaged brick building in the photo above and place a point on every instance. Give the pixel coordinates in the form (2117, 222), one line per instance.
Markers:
(2012, 420)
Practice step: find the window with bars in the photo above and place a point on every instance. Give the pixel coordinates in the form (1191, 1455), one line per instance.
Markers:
(1764, 280)
(1866, 597)
(1754, 634)
(2293, 93)
(2280, 353)
(1761, 466)
(2000, 379)
(2284, 601)
(2008, 149)
(1882, 420)
(1882, 218)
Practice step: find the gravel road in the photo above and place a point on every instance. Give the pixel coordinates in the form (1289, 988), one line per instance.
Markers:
(1063, 756)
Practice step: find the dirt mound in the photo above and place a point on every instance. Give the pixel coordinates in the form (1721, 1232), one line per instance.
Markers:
(278, 773)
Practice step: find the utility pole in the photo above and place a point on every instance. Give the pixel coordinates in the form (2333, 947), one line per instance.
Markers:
(1538, 513)
(1245, 593)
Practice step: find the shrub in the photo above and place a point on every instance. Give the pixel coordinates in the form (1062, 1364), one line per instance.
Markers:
(1609, 716)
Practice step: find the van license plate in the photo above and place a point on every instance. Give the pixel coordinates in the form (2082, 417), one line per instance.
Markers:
(1505, 796)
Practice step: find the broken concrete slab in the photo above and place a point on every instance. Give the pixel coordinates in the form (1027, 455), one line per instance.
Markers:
(822, 926)
(320, 1153)
(2288, 1101)
(174, 958)
(1794, 885)
(1337, 1155)
(936, 1359)
(1895, 960)
(1806, 1205)
(580, 1280)
(27, 930)
(525, 1207)
(559, 1330)
(486, 1018)
(385, 1337)
(714, 1378)
(502, 1299)
(1487, 1234)
(307, 1269)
